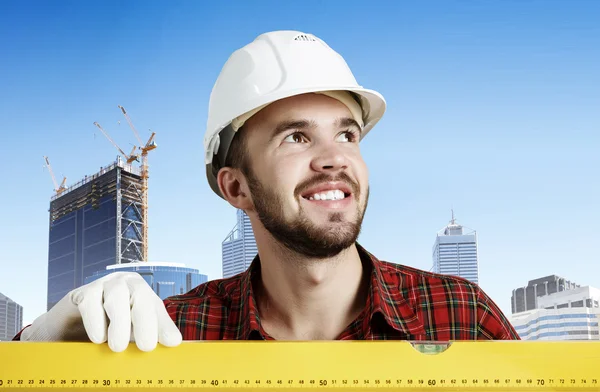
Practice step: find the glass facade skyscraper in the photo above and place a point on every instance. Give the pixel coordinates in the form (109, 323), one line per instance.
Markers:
(165, 279)
(11, 318)
(455, 253)
(239, 247)
(93, 224)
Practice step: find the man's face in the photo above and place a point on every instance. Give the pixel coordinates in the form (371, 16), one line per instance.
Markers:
(307, 178)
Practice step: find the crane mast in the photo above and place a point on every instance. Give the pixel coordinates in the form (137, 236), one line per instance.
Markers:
(149, 146)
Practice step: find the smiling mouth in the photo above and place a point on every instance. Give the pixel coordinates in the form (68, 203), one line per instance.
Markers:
(332, 194)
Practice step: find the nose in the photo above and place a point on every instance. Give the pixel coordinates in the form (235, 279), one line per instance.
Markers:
(329, 159)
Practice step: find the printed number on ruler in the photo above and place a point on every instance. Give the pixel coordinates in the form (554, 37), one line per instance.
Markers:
(299, 383)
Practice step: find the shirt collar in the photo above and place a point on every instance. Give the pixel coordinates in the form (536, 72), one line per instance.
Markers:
(249, 322)
(387, 296)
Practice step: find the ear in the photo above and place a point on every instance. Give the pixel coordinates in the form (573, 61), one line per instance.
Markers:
(234, 188)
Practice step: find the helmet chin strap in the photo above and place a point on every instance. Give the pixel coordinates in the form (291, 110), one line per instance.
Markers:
(225, 136)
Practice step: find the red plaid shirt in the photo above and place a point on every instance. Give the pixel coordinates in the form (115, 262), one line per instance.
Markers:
(403, 303)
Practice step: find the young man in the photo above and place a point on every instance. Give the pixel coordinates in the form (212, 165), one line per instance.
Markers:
(282, 143)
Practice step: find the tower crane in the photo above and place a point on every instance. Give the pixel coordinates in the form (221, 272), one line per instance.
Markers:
(131, 157)
(57, 188)
(149, 146)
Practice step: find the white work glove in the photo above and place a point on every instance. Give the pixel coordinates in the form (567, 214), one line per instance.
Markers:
(119, 307)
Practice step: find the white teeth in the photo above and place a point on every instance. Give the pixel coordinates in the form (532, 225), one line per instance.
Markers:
(329, 195)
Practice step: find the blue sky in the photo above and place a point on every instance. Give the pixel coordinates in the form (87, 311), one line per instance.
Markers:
(492, 111)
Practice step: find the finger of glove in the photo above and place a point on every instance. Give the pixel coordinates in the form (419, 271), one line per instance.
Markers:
(143, 314)
(116, 305)
(89, 303)
(168, 333)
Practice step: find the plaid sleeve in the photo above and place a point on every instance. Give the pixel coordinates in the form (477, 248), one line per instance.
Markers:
(492, 324)
(18, 336)
(171, 309)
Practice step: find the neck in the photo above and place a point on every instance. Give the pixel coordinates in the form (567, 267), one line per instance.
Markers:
(301, 298)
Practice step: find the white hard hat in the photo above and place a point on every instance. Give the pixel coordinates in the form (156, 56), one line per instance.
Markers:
(274, 66)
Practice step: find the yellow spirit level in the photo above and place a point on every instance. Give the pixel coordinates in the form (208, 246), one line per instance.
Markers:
(341, 365)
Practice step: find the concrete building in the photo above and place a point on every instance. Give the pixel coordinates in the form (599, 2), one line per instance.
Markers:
(165, 279)
(526, 298)
(563, 315)
(93, 224)
(11, 318)
(455, 252)
(239, 247)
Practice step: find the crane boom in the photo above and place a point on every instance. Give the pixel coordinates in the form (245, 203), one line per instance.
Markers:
(135, 132)
(51, 174)
(130, 158)
(57, 188)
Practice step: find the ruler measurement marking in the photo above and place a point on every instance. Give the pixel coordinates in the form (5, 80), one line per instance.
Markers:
(304, 383)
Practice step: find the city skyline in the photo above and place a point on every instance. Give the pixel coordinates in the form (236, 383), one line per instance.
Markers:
(572, 313)
(11, 317)
(455, 252)
(526, 298)
(239, 247)
(165, 279)
(93, 224)
(492, 111)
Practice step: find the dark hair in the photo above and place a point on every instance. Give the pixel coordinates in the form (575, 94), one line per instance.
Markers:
(237, 157)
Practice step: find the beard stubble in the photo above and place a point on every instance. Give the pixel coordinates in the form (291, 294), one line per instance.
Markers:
(301, 235)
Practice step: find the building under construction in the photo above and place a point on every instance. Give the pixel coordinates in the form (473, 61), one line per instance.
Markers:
(95, 223)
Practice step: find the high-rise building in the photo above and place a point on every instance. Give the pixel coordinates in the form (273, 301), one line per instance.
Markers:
(526, 298)
(455, 252)
(11, 318)
(93, 224)
(165, 279)
(239, 247)
(570, 314)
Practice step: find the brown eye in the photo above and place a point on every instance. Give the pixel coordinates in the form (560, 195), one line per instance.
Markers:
(347, 136)
(294, 138)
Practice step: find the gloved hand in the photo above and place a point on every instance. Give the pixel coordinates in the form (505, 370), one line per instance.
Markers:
(119, 307)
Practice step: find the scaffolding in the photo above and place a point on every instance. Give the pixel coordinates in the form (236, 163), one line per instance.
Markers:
(123, 183)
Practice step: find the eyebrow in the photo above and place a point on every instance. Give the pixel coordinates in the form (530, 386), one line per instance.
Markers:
(284, 126)
(348, 122)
